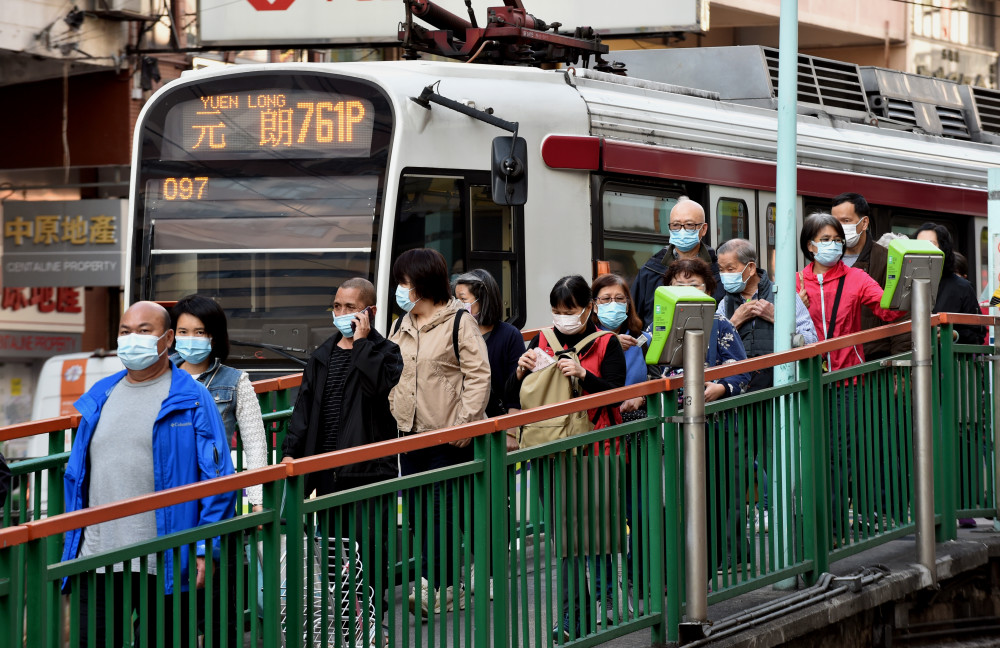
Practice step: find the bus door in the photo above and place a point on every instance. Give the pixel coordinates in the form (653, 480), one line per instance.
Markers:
(979, 266)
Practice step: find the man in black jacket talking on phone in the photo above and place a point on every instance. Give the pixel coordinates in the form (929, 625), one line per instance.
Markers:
(344, 403)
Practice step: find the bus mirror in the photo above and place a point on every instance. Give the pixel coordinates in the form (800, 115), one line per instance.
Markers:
(910, 259)
(510, 171)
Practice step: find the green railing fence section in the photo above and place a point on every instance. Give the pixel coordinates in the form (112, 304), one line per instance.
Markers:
(574, 542)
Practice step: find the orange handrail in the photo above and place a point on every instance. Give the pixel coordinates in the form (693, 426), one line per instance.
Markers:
(61, 523)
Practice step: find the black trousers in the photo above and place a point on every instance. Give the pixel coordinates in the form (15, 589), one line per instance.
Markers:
(96, 601)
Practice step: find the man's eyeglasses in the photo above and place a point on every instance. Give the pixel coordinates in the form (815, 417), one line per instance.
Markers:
(620, 299)
(691, 227)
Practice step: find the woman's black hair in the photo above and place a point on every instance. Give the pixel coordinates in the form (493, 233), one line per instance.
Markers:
(426, 272)
(691, 268)
(945, 244)
(484, 288)
(812, 227)
(212, 317)
(572, 290)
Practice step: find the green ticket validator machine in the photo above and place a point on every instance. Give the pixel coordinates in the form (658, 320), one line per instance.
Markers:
(677, 309)
(910, 259)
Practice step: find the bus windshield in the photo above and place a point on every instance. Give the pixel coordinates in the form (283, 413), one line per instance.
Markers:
(263, 192)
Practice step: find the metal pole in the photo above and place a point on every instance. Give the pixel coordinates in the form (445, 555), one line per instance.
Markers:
(923, 445)
(695, 499)
(785, 221)
(993, 253)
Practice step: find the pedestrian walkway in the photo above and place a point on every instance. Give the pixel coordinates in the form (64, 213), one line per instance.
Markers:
(828, 457)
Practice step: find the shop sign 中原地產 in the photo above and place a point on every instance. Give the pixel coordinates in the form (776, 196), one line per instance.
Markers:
(63, 243)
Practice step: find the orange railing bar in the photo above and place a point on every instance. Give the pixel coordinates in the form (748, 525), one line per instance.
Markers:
(41, 426)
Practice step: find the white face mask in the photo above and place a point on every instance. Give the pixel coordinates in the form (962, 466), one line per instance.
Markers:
(568, 324)
(851, 234)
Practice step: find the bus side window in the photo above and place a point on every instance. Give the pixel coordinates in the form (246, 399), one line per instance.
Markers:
(458, 218)
(770, 240)
(731, 219)
(493, 236)
(636, 226)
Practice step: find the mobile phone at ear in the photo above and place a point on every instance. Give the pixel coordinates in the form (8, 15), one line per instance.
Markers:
(354, 324)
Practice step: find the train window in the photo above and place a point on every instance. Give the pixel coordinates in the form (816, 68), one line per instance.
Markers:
(456, 216)
(731, 219)
(636, 226)
(634, 212)
(770, 222)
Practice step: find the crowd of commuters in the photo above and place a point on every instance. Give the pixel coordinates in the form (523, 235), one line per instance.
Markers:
(449, 359)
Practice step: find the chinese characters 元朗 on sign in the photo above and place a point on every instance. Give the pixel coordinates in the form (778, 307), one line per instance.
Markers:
(63, 243)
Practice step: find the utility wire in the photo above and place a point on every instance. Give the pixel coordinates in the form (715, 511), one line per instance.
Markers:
(939, 8)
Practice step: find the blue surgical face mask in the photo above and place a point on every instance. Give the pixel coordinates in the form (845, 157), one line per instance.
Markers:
(828, 252)
(685, 240)
(343, 324)
(137, 352)
(403, 298)
(612, 315)
(193, 349)
(734, 282)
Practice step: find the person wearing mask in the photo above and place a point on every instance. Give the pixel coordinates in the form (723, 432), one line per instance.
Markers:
(836, 295)
(749, 307)
(688, 226)
(615, 311)
(445, 382)
(479, 294)
(201, 345)
(343, 403)
(723, 346)
(956, 295)
(862, 251)
(148, 428)
(601, 367)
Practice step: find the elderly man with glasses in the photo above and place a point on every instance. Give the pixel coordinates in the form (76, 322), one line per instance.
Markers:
(687, 227)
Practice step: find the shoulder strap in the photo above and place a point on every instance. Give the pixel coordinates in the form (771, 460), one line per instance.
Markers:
(582, 344)
(397, 325)
(454, 333)
(550, 337)
(836, 303)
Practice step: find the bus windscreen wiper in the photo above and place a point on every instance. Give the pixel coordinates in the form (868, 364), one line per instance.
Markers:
(280, 350)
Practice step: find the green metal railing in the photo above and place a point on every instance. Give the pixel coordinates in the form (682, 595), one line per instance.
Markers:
(584, 535)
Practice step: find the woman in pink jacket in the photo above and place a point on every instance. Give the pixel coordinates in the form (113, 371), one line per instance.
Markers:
(835, 292)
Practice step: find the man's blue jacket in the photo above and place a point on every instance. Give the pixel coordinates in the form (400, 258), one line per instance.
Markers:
(189, 445)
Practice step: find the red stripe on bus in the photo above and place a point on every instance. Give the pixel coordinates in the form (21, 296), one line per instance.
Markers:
(630, 158)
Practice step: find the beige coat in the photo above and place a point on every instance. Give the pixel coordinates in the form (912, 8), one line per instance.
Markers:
(434, 392)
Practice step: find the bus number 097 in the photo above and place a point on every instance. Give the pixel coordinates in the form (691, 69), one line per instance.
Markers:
(184, 188)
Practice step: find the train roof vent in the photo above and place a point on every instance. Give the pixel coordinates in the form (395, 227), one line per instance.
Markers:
(919, 103)
(900, 110)
(986, 103)
(834, 85)
(953, 122)
(748, 74)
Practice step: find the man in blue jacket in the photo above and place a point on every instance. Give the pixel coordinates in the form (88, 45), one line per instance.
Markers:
(145, 429)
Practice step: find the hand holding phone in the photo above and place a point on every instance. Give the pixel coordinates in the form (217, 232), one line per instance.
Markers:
(361, 324)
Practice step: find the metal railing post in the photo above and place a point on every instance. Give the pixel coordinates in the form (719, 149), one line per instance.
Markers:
(695, 522)
(948, 429)
(996, 425)
(923, 446)
(654, 507)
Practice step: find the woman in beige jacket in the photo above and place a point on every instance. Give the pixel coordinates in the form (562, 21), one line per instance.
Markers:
(445, 382)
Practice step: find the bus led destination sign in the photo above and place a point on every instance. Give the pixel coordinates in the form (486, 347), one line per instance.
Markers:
(264, 123)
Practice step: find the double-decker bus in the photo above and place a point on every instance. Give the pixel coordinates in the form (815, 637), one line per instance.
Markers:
(265, 186)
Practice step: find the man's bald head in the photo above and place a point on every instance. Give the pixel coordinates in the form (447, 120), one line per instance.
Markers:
(147, 312)
(687, 210)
